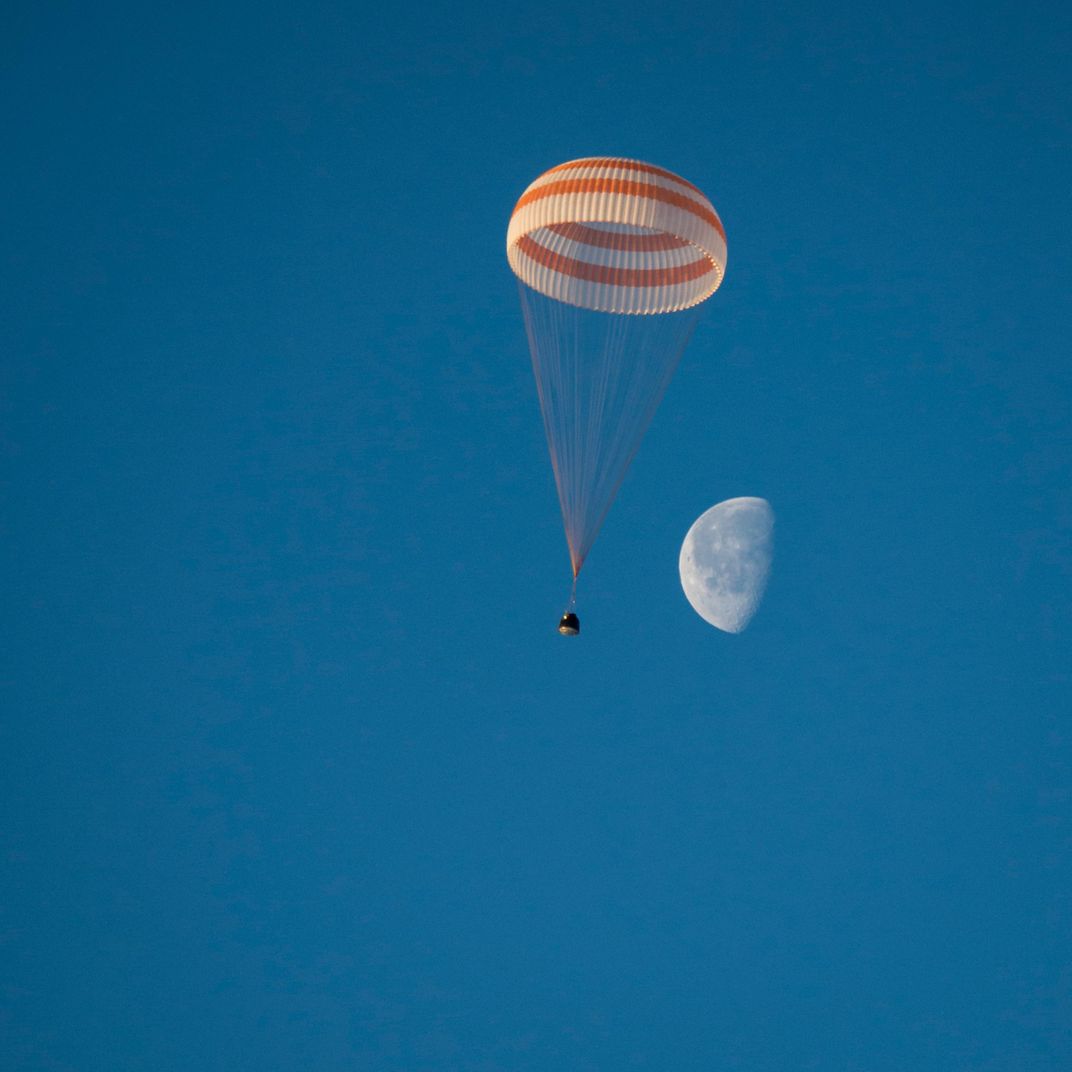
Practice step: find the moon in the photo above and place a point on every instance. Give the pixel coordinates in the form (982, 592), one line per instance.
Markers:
(725, 561)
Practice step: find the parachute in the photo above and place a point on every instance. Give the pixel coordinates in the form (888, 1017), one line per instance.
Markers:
(613, 258)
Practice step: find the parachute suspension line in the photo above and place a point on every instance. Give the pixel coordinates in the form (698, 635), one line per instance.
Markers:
(600, 378)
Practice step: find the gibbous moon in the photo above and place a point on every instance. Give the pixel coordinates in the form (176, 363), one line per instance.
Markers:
(725, 561)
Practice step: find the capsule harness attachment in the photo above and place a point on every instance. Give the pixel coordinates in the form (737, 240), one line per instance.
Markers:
(570, 624)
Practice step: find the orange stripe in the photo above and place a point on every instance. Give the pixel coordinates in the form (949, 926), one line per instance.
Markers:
(623, 187)
(624, 165)
(618, 240)
(613, 277)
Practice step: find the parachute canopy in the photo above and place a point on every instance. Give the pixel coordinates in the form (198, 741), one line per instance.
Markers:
(617, 236)
(596, 245)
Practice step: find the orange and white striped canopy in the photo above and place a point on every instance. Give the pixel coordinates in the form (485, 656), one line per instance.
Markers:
(617, 236)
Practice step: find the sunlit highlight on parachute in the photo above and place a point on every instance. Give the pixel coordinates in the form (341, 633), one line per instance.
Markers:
(613, 259)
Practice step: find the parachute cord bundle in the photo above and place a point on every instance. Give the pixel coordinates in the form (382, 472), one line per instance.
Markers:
(600, 378)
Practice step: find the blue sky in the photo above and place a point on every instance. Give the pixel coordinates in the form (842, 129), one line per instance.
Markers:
(296, 771)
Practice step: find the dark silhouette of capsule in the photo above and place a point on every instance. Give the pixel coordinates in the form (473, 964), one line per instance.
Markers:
(570, 624)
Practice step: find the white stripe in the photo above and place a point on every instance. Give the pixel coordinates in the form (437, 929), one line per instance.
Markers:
(601, 297)
(615, 258)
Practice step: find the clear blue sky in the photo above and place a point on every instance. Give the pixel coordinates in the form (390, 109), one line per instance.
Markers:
(295, 772)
